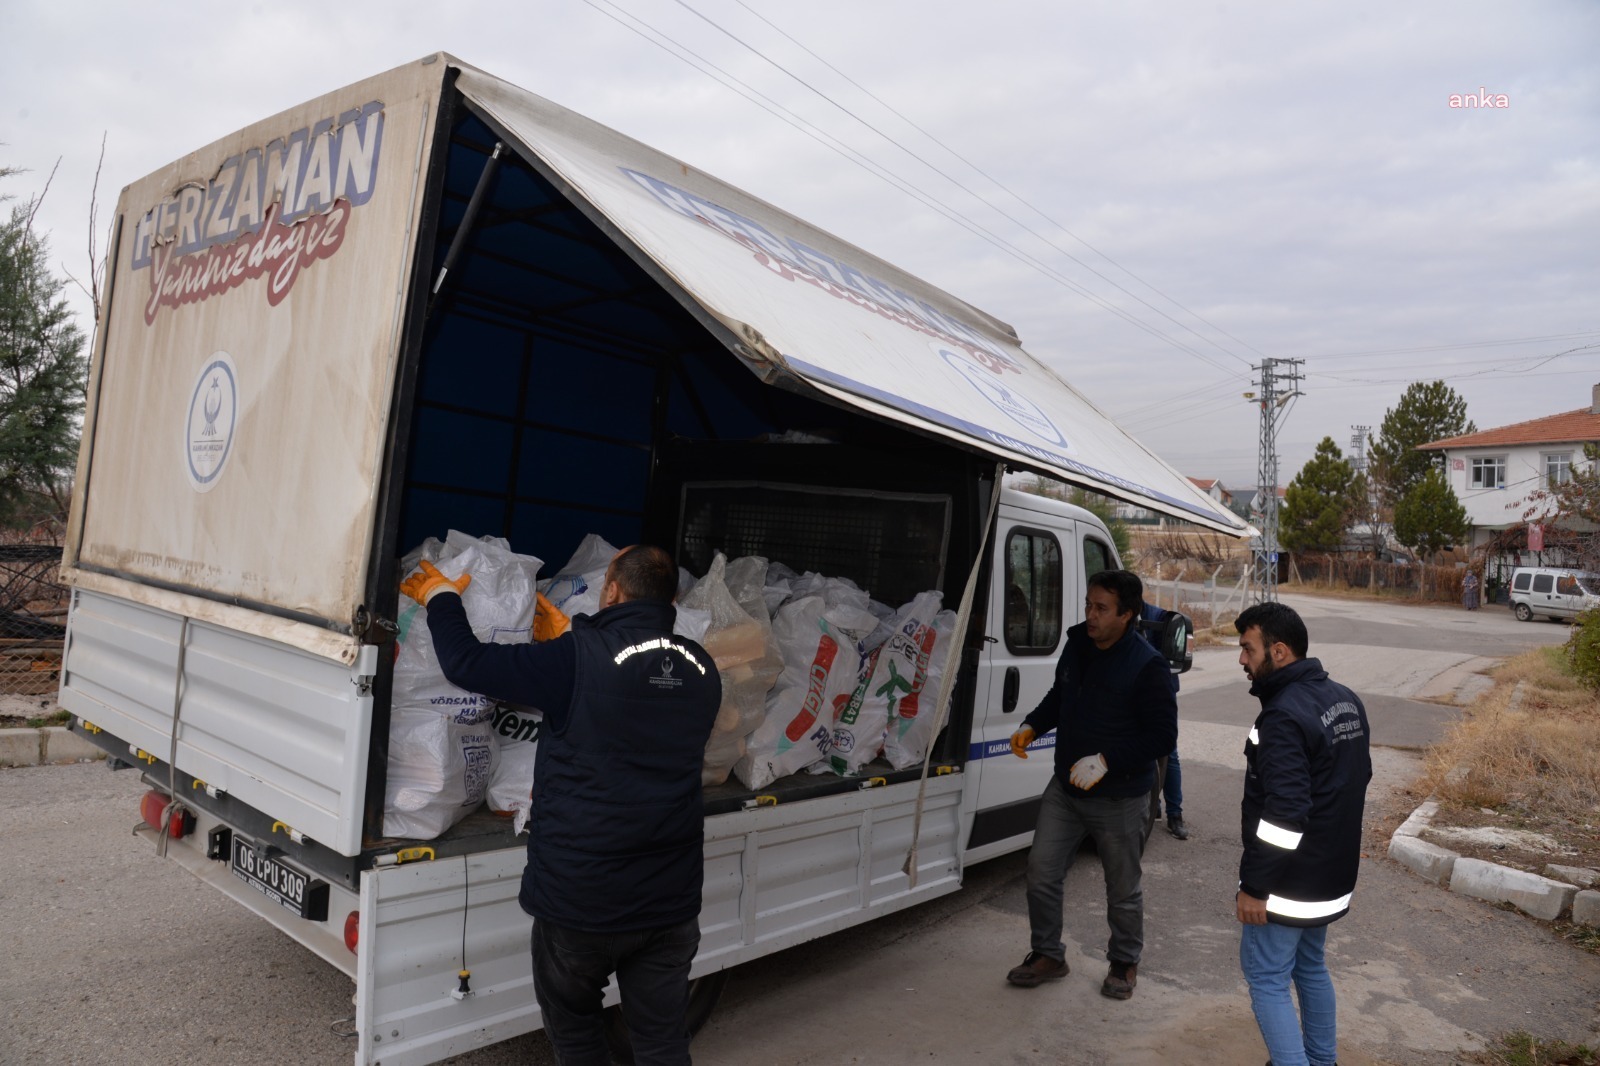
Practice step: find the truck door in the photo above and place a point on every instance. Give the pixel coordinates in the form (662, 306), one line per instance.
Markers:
(1032, 600)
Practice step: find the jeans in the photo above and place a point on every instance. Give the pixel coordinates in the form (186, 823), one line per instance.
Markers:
(1271, 956)
(570, 968)
(1172, 789)
(1117, 826)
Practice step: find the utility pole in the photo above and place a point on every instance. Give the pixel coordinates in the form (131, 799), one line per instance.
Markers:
(1278, 385)
(1359, 435)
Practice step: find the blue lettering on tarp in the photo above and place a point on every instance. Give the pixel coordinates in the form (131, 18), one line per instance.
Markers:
(989, 749)
(811, 370)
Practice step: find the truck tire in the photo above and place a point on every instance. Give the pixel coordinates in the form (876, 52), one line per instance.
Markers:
(1524, 613)
(703, 995)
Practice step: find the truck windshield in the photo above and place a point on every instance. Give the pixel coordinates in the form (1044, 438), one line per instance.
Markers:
(1590, 583)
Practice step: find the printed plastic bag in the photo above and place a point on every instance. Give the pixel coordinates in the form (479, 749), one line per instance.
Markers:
(576, 587)
(820, 664)
(516, 731)
(911, 716)
(742, 646)
(892, 672)
(442, 746)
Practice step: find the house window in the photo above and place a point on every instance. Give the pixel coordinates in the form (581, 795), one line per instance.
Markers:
(1558, 467)
(1488, 472)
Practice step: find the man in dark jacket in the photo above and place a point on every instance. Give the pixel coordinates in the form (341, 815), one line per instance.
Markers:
(615, 840)
(1172, 784)
(1307, 767)
(1114, 714)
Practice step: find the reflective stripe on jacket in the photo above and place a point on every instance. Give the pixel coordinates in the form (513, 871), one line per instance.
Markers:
(1307, 765)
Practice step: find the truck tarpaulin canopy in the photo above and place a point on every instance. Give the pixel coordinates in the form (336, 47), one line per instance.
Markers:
(801, 306)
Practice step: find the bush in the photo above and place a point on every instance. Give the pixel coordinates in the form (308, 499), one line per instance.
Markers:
(1583, 648)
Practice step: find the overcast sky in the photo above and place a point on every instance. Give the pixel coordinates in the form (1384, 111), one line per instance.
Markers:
(1155, 195)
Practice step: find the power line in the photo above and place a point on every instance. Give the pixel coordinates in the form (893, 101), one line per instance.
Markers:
(1376, 352)
(861, 160)
(962, 186)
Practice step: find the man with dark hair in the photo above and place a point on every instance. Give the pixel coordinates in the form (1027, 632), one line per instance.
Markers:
(615, 841)
(1114, 715)
(1307, 765)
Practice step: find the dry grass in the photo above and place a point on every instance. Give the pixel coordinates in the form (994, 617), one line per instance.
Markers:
(1535, 765)
(1339, 590)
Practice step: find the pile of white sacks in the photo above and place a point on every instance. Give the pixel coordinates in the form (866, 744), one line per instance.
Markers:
(816, 675)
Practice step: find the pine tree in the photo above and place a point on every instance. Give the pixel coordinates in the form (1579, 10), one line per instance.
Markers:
(1319, 503)
(42, 373)
(1428, 519)
(1427, 411)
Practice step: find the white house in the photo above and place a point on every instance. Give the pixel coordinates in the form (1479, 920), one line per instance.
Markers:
(1494, 471)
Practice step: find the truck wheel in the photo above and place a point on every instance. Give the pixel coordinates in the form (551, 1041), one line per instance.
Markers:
(703, 995)
(1524, 613)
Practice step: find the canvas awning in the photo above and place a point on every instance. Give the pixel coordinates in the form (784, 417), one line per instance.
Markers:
(799, 305)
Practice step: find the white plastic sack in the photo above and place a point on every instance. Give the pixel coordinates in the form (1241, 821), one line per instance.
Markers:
(820, 664)
(576, 587)
(516, 731)
(777, 588)
(911, 718)
(692, 623)
(442, 747)
(741, 644)
(892, 672)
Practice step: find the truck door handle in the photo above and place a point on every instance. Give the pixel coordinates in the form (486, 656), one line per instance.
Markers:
(1013, 689)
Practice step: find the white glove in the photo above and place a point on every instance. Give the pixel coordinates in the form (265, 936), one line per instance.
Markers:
(1087, 771)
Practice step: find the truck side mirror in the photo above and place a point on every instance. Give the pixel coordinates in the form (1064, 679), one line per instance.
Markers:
(1171, 638)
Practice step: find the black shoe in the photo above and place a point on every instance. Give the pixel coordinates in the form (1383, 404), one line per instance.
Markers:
(1176, 827)
(1120, 980)
(1036, 968)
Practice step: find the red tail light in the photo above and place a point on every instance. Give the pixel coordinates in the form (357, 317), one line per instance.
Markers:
(352, 930)
(151, 807)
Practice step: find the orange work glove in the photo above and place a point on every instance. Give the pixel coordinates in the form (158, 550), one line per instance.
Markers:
(1020, 741)
(428, 582)
(548, 621)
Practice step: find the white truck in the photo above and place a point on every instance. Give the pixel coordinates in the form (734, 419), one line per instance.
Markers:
(432, 300)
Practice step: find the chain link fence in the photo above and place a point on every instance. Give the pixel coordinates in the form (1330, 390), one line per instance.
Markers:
(1433, 584)
(33, 623)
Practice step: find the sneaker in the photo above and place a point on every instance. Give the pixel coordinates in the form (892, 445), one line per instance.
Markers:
(1176, 827)
(1036, 968)
(1120, 980)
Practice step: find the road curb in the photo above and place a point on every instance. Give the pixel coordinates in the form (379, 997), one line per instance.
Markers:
(45, 746)
(1538, 896)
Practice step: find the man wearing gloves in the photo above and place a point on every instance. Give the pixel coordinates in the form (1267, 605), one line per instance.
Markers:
(615, 841)
(1307, 765)
(1114, 714)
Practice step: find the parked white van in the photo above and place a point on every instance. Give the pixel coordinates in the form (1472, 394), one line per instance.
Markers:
(1553, 592)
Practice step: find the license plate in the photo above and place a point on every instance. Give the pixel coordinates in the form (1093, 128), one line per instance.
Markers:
(279, 881)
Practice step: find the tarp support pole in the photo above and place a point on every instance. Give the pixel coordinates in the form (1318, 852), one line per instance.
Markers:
(947, 680)
(470, 220)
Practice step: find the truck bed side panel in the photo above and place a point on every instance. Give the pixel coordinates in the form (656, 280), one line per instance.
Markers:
(275, 727)
(775, 877)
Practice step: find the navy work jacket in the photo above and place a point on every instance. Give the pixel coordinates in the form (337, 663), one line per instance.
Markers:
(1307, 764)
(615, 841)
(1118, 703)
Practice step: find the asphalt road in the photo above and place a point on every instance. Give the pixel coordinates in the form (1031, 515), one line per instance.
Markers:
(116, 957)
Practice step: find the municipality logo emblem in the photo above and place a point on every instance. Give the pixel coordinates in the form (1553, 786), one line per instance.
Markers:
(665, 679)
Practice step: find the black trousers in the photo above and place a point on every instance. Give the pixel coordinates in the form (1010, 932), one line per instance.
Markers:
(570, 968)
